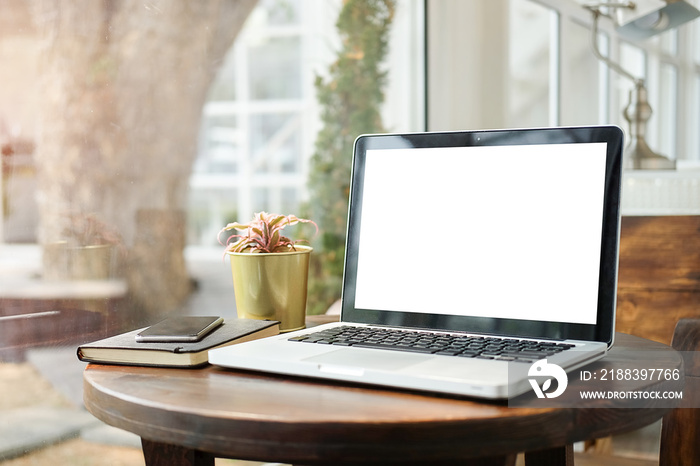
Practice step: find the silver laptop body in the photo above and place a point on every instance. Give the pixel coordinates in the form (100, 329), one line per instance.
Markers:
(496, 234)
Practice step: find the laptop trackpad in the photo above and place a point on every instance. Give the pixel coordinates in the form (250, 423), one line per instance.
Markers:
(358, 360)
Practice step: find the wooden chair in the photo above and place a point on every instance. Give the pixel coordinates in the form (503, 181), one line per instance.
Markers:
(680, 428)
(680, 431)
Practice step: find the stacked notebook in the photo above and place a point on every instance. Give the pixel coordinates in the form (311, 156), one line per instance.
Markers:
(124, 349)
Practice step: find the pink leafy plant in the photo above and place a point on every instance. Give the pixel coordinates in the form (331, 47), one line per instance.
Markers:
(263, 234)
(87, 230)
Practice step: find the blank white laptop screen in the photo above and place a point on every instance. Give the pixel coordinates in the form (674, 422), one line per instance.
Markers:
(494, 236)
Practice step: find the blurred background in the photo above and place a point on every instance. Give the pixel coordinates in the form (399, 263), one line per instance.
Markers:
(133, 131)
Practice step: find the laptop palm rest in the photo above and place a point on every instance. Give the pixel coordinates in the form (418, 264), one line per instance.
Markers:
(354, 362)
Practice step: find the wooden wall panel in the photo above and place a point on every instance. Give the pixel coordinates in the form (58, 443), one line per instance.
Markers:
(659, 276)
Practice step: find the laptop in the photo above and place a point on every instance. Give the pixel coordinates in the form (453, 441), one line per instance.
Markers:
(470, 256)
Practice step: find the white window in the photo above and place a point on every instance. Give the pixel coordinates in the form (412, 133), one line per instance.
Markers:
(261, 120)
(529, 63)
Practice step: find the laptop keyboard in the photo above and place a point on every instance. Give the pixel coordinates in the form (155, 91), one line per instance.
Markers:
(504, 349)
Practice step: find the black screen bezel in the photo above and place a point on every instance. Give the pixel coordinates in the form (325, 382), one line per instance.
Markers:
(602, 331)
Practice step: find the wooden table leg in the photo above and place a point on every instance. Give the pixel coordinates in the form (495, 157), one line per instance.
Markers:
(508, 460)
(163, 454)
(559, 456)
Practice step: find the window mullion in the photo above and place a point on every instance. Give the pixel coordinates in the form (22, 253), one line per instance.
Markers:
(687, 111)
(557, 43)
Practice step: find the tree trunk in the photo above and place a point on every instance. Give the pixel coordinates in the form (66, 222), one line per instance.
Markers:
(123, 84)
(155, 265)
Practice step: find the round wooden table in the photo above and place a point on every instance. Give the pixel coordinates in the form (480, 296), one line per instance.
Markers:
(190, 416)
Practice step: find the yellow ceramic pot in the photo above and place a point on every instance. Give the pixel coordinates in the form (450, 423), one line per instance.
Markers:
(64, 262)
(272, 286)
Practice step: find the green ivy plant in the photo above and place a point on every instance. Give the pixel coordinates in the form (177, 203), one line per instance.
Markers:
(350, 98)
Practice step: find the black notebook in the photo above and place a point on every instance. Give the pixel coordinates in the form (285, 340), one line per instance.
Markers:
(124, 349)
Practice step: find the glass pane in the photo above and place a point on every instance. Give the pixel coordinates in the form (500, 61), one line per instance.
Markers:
(669, 42)
(529, 64)
(261, 199)
(219, 144)
(695, 123)
(584, 79)
(667, 112)
(281, 12)
(632, 59)
(223, 87)
(275, 142)
(290, 200)
(696, 49)
(208, 209)
(275, 68)
(143, 142)
(604, 73)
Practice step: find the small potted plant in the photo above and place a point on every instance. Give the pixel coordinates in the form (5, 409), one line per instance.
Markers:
(270, 271)
(86, 251)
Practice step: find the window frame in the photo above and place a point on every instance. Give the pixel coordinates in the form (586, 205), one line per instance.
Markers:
(683, 63)
(494, 81)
